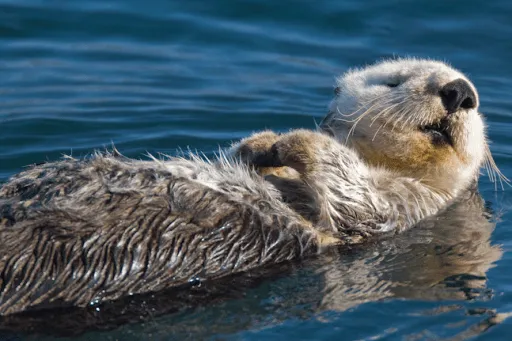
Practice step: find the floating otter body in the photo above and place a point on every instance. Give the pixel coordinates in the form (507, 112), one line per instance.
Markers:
(405, 140)
(445, 257)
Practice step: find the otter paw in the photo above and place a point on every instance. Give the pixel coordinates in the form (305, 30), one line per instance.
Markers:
(298, 149)
(249, 149)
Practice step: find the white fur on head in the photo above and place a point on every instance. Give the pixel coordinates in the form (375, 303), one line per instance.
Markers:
(382, 111)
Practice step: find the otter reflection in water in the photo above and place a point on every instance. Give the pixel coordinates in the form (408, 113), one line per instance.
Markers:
(402, 141)
(446, 258)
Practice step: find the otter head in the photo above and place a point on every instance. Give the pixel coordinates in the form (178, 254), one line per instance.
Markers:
(418, 118)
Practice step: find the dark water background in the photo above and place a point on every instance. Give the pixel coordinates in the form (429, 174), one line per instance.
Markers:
(151, 76)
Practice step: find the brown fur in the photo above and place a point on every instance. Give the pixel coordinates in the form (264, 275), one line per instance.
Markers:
(260, 143)
(62, 246)
(80, 231)
(414, 157)
(295, 150)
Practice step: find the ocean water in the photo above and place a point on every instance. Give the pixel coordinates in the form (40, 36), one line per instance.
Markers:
(157, 75)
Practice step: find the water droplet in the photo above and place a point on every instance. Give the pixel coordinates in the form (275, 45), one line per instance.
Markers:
(195, 281)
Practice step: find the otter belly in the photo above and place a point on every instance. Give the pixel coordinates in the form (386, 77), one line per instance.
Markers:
(75, 232)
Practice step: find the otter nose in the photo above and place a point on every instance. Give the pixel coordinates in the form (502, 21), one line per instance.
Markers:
(457, 94)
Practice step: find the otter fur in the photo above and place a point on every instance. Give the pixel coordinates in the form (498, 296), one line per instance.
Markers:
(74, 231)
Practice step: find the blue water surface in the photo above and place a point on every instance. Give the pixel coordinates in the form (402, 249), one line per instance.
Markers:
(155, 75)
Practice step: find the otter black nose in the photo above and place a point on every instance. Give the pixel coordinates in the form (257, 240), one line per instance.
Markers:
(457, 94)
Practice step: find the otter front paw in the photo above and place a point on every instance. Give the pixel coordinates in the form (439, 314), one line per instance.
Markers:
(298, 149)
(249, 149)
(254, 151)
(296, 152)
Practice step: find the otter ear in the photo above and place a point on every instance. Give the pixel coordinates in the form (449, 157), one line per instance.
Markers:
(337, 90)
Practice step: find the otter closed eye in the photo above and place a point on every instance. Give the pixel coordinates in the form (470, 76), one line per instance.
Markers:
(393, 84)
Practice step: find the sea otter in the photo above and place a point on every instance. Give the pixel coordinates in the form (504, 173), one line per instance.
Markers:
(402, 140)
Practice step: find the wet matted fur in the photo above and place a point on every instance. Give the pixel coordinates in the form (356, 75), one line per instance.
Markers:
(79, 231)
(74, 232)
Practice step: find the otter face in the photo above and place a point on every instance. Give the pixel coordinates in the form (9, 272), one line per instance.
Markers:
(418, 118)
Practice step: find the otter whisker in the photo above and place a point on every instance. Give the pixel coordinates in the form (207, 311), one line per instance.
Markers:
(497, 174)
(359, 117)
(352, 129)
(361, 107)
(383, 113)
(392, 107)
(489, 170)
(412, 115)
(405, 116)
(367, 112)
(382, 125)
(392, 118)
